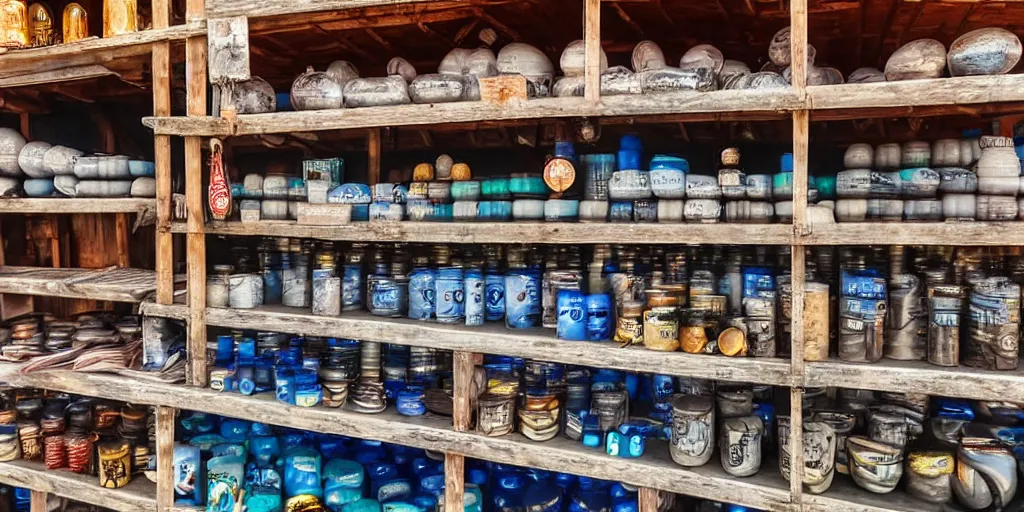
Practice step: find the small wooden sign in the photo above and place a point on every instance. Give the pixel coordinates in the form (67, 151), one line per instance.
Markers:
(332, 214)
(228, 42)
(503, 88)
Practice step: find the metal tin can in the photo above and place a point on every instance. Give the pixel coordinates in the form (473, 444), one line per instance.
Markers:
(740, 445)
(819, 446)
(661, 328)
(993, 325)
(629, 327)
(388, 296)
(945, 307)
(861, 329)
(929, 475)
(572, 315)
(843, 423)
(553, 282)
(115, 469)
(692, 440)
(906, 330)
(874, 466)
(986, 474)
(326, 296)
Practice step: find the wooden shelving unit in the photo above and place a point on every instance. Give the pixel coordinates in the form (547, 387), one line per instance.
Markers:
(111, 284)
(138, 496)
(978, 96)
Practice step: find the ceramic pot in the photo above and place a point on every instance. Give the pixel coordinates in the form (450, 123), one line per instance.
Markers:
(143, 187)
(253, 96)
(859, 156)
(436, 88)
(702, 210)
(376, 92)
(759, 186)
(670, 210)
(11, 144)
(702, 187)
(740, 445)
(61, 160)
(970, 151)
(64, 184)
(342, 71)
(629, 185)
(916, 154)
(275, 186)
(890, 210)
(888, 156)
(959, 206)
(597, 211)
(749, 212)
(38, 187)
(31, 159)
(851, 210)
(946, 153)
(528, 209)
(703, 56)
(572, 59)
(316, 90)
(647, 55)
(465, 210)
(996, 208)
(923, 58)
(819, 447)
(274, 209)
(865, 76)
(985, 51)
(929, 210)
(693, 430)
(103, 188)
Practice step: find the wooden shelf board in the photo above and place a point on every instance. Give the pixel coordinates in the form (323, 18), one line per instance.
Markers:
(76, 205)
(514, 232)
(915, 233)
(112, 284)
(138, 496)
(954, 91)
(918, 377)
(693, 106)
(93, 50)
(262, 8)
(490, 339)
(846, 496)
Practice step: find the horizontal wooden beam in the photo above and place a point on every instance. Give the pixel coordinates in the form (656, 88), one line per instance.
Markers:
(917, 233)
(844, 495)
(138, 496)
(918, 377)
(260, 8)
(94, 50)
(514, 232)
(490, 339)
(768, 103)
(953, 91)
(75, 205)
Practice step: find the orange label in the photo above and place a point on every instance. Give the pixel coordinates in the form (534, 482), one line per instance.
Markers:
(559, 174)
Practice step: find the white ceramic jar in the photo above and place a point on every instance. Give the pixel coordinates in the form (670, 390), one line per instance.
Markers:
(784, 211)
(274, 209)
(922, 210)
(31, 159)
(888, 156)
(859, 156)
(851, 210)
(670, 210)
(970, 151)
(946, 153)
(464, 210)
(629, 185)
(595, 211)
(528, 209)
(704, 211)
(60, 160)
(702, 187)
(998, 168)
(996, 208)
(916, 153)
(888, 210)
(275, 186)
(959, 206)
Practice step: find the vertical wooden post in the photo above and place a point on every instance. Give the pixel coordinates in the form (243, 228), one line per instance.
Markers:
(801, 121)
(798, 46)
(164, 459)
(648, 500)
(38, 501)
(373, 156)
(123, 234)
(195, 82)
(592, 48)
(162, 158)
(462, 417)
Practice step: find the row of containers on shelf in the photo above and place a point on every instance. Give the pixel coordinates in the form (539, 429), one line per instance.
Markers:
(467, 74)
(873, 437)
(39, 169)
(948, 306)
(949, 179)
(111, 441)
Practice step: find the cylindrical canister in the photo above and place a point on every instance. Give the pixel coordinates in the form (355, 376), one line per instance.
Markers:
(929, 475)
(890, 429)
(993, 339)
(905, 332)
(945, 307)
(474, 295)
(599, 316)
(874, 466)
(693, 430)
(326, 295)
(740, 445)
(861, 329)
(819, 446)
(572, 315)
(115, 468)
(816, 321)
(245, 291)
(661, 328)
(842, 423)
(450, 295)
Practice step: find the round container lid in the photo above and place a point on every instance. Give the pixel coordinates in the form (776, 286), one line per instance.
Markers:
(692, 403)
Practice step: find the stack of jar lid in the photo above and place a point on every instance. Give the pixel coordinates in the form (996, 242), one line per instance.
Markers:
(40, 334)
(67, 433)
(977, 179)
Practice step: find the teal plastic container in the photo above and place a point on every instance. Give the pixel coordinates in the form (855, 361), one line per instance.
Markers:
(524, 186)
(496, 188)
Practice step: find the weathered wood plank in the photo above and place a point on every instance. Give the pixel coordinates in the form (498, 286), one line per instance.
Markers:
(768, 102)
(923, 233)
(798, 46)
(938, 91)
(37, 501)
(495, 339)
(592, 49)
(454, 482)
(136, 497)
(92, 51)
(514, 232)
(165, 458)
(75, 205)
(918, 377)
(118, 285)
(844, 495)
(223, 8)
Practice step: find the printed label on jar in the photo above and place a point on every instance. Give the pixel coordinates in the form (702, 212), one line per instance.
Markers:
(629, 331)
(661, 329)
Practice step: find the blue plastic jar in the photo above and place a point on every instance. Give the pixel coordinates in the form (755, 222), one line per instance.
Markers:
(494, 305)
(599, 316)
(450, 295)
(522, 299)
(474, 296)
(352, 287)
(421, 293)
(409, 402)
(572, 315)
(599, 169)
(388, 296)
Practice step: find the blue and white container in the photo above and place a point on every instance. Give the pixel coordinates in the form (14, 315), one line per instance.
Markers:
(571, 315)
(450, 295)
(668, 176)
(522, 299)
(494, 282)
(599, 168)
(474, 295)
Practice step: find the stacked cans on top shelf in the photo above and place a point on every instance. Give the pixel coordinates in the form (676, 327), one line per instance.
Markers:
(969, 179)
(937, 304)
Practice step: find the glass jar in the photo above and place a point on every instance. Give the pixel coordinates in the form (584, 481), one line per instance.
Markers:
(538, 417)
(522, 298)
(14, 27)
(120, 17)
(661, 327)
(76, 23)
(41, 31)
(474, 296)
(450, 295)
(388, 296)
(495, 414)
(352, 278)
(629, 327)
(553, 282)
(422, 290)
